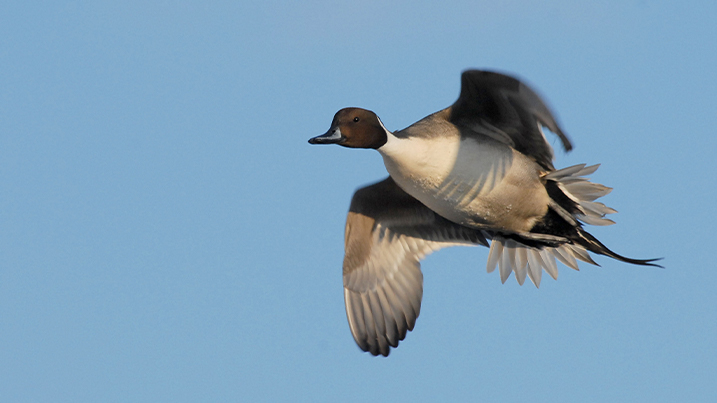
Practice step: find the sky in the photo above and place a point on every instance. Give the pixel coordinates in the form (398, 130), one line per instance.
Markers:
(167, 234)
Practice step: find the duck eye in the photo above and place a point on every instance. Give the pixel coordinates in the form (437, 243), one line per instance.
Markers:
(356, 119)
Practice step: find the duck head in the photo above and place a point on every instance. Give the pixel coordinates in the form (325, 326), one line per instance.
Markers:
(354, 128)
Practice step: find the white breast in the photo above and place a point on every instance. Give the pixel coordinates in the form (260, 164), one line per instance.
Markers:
(469, 181)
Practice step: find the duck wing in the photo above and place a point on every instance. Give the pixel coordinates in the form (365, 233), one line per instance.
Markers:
(509, 111)
(388, 232)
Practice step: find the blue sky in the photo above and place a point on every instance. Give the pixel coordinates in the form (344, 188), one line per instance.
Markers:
(167, 234)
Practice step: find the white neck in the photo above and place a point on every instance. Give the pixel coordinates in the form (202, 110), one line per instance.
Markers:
(391, 141)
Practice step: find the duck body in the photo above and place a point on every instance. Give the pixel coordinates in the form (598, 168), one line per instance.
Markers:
(476, 172)
(466, 177)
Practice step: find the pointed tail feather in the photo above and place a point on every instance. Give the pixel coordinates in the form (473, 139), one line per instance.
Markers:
(591, 243)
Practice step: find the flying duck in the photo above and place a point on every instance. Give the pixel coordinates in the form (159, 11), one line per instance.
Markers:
(480, 170)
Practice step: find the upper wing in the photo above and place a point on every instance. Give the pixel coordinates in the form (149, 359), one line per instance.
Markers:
(387, 233)
(507, 110)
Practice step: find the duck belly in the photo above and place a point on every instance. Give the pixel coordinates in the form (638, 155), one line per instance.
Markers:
(472, 182)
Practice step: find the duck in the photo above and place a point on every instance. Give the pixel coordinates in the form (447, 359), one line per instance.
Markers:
(479, 172)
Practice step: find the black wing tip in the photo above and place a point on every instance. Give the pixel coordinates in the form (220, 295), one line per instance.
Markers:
(567, 144)
(383, 354)
(377, 351)
(471, 76)
(377, 348)
(488, 73)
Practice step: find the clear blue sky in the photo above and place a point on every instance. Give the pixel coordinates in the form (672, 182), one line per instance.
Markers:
(167, 234)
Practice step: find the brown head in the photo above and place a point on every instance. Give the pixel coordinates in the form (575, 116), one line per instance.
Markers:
(355, 128)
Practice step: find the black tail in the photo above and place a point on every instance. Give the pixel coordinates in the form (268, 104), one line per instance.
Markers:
(589, 242)
(574, 201)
